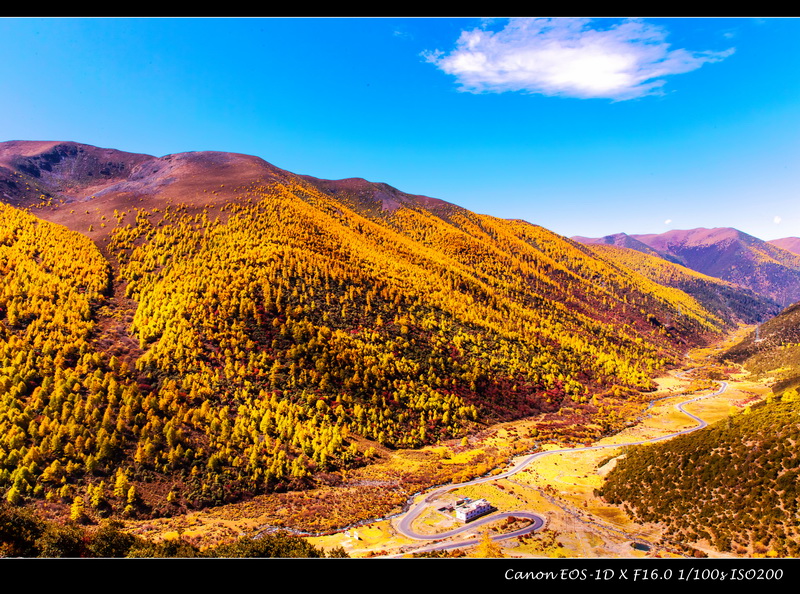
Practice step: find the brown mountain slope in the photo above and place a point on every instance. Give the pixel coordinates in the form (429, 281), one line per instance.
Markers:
(791, 244)
(728, 254)
(38, 172)
(81, 186)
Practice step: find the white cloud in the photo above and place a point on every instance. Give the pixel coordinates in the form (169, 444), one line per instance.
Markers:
(668, 221)
(777, 220)
(569, 57)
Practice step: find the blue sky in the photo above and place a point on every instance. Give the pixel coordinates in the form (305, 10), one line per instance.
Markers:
(585, 126)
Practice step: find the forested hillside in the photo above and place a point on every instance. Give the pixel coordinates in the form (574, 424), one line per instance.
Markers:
(773, 350)
(724, 299)
(733, 485)
(163, 353)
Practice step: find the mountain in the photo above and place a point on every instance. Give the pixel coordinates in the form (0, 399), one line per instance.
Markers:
(35, 172)
(791, 244)
(730, 255)
(626, 241)
(724, 299)
(80, 186)
(197, 328)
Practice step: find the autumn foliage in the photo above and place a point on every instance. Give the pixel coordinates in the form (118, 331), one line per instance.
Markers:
(274, 329)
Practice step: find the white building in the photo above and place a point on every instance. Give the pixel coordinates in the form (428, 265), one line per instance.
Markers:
(470, 510)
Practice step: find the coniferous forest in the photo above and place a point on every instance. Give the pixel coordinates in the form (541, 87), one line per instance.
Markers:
(160, 354)
(733, 485)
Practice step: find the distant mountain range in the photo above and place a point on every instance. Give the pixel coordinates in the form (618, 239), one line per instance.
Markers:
(770, 269)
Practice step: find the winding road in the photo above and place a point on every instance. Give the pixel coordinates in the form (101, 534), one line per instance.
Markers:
(404, 524)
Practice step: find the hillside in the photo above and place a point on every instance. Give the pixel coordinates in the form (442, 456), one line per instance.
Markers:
(732, 485)
(774, 350)
(724, 299)
(194, 329)
(791, 244)
(727, 254)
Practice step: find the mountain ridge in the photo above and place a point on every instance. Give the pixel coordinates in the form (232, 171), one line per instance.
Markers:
(210, 321)
(725, 253)
(204, 327)
(791, 244)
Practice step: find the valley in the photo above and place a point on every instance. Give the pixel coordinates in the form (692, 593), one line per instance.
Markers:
(557, 485)
(546, 500)
(204, 347)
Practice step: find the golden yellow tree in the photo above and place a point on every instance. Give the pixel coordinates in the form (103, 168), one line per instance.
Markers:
(488, 548)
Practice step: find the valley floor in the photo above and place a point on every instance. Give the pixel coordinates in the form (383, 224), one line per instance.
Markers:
(559, 488)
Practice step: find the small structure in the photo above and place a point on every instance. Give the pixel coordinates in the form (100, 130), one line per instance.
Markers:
(468, 510)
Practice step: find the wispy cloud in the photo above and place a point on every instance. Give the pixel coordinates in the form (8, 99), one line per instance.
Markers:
(569, 57)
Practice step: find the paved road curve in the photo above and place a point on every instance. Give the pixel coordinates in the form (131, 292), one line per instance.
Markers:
(405, 521)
